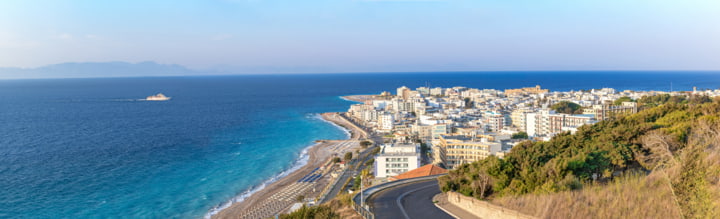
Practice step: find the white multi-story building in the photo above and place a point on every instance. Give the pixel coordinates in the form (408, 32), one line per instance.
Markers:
(542, 122)
(518, 118)
(386, 121)
(494, 121)
(395, 159)
(436, 91)
(531, 124)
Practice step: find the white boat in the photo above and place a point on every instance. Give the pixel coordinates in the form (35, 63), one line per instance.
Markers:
(158, 97)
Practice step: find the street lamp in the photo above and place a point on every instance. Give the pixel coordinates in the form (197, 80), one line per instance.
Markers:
(362, 202)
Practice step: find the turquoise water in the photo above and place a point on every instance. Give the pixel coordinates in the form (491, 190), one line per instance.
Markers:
(88, 148)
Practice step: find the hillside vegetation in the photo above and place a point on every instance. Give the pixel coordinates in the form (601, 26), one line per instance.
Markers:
(339, 207)
(670, 147)
(567, 107)
(629, 196)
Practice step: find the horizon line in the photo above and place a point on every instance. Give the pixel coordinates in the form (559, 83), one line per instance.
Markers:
(230, 70)
(349, 73)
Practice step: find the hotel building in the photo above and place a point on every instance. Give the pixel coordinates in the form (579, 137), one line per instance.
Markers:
(453, 151)
(395, 159)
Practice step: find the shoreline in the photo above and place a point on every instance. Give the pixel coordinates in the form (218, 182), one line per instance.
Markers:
(303, 159)
(358, 98)
(317, 155)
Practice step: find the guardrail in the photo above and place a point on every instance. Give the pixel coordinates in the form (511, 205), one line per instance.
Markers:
(364, 210)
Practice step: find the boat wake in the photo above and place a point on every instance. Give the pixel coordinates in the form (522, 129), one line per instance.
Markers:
(125, 100)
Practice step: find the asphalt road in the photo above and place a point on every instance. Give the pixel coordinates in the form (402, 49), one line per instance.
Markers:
(408, 201)
(337, 188)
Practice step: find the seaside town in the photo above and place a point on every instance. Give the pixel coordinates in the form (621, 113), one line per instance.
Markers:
(448, 127)
(360, 109)
(428, 131)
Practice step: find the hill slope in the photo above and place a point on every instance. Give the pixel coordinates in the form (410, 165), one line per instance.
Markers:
(676, 141)
(95, 70)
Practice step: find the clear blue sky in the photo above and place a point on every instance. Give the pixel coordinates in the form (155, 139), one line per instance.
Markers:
(366, 35)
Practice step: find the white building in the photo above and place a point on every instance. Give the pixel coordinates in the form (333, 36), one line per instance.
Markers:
(403, 92)
(494, 121)
(436, 91)
(386, 121)
(395, 159)
(531, 124)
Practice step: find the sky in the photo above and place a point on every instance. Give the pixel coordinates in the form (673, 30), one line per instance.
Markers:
(256, 36)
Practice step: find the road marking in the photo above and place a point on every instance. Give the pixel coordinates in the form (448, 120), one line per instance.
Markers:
(403, 195)
(446, 211)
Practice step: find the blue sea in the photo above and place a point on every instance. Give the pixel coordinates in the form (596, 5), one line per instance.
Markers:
(90, 148)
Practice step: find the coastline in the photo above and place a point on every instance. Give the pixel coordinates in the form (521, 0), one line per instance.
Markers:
(358, 98)
(318, 154)
(302, 161)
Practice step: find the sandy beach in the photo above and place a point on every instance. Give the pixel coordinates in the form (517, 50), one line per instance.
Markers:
(359, 98)
(318, 155)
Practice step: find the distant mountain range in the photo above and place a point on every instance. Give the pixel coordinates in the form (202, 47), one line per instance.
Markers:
(97, 70)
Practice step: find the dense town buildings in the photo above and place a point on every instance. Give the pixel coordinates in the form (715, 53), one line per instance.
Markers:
(460, 125)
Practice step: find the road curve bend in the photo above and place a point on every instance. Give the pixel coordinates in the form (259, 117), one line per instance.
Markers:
(409, 201)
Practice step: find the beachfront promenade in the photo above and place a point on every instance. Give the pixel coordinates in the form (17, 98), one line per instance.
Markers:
(284, 198)
(309, 187)
(318, 181)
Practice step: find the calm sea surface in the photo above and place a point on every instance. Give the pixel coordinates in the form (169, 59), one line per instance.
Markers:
(88, 148)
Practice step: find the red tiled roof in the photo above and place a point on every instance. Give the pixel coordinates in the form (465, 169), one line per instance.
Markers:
(427, 170)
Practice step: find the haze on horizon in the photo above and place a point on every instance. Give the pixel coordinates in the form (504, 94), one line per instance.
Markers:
(271, 36)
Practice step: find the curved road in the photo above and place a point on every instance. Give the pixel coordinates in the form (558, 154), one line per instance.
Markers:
(408, 201)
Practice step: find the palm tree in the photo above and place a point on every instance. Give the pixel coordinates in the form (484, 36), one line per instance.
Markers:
(366, 176)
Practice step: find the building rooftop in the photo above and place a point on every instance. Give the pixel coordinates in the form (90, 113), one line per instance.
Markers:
(397, 149)
(427, 170)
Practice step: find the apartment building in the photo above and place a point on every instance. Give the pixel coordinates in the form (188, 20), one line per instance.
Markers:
(395, 159)
(607, 110)
(453, 151)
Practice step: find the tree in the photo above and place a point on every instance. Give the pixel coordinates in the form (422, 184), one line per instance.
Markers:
(699, 99)
(370, 162)
(365, 144)
(620, 100)
(376, 150)
(594, 153)
(366, 177)
(356, 183)
(520, 135)
(469, 104)
(657, 100)
(423, 148)
(336, 160)
(567, 107)
(348, 156)
(313, 212)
